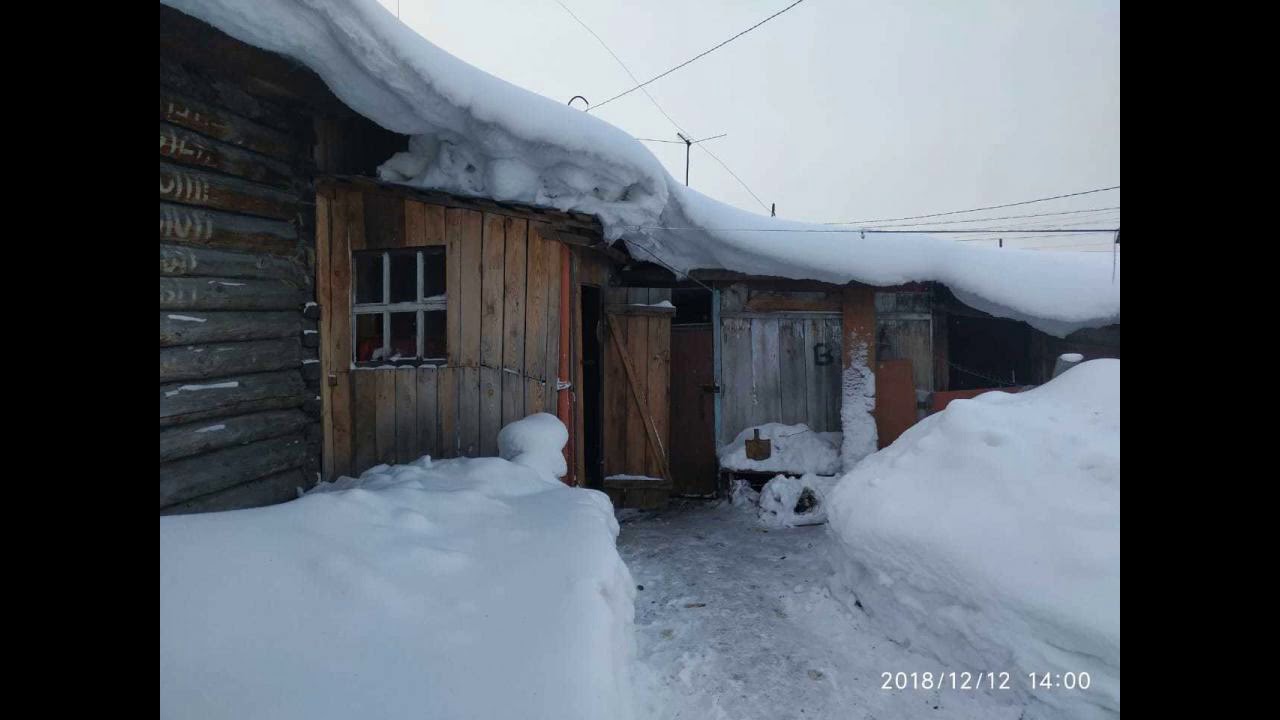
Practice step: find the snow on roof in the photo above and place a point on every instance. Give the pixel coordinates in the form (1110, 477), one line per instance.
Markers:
(475, 134)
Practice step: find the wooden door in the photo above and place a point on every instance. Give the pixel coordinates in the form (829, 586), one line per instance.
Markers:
(693, 448)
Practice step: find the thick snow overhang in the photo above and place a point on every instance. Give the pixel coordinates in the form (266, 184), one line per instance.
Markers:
(475, 134)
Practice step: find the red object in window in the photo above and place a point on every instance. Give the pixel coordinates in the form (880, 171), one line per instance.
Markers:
(367, 347)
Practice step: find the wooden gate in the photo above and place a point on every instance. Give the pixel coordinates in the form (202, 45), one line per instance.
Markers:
(693, 445)
(781, 366)
(637, 377)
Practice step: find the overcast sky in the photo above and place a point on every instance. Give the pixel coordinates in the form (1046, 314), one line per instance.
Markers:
(837, 109)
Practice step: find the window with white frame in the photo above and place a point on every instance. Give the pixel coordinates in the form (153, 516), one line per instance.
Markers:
(398, 306)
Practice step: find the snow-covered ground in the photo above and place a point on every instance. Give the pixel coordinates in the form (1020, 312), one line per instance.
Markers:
(466, 588)
(736, 621)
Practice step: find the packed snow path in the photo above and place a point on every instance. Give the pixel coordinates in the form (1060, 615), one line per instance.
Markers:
(735, 621)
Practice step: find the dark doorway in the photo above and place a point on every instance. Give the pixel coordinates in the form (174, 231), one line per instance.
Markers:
(693, 447)
(592, 369)
(990, 353)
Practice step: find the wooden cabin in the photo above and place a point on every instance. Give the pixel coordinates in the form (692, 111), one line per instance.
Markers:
(315, 322)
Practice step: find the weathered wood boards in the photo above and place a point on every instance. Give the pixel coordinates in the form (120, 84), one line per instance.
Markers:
(637, 380)
(239, 401)
(780, 359)
(502, 330)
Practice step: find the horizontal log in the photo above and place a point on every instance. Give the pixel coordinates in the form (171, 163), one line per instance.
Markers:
(182, 261)
(188, 148)
(187, 225)
(219, 124)
(183, 402)
(199, 475)
(270, 490)
(176, 78)
(223, 192)
(201, 293)
(210, 327)
(201, 437)
(200, 362)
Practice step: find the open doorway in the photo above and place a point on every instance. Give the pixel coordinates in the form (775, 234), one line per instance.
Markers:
(592, 371)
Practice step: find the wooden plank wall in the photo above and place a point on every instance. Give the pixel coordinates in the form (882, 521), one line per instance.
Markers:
(780, 359)
(502, 283)
(648, 342)
(904, 331)
(239, 373)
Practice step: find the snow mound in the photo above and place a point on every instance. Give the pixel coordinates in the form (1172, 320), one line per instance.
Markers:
(415, 589)
(537, 442)
(787, 501)
(795, 449)
(989, 535)
(475, 134)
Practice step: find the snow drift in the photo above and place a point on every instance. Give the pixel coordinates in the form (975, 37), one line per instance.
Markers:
(474, 134)
(464, 588)
(989, 535)
(787, 501)
(795, 449)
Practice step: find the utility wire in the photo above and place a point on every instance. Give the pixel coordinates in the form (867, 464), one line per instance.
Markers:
(860, 230)
(670, 119)
(990, 207)
(695, 57)
(1006, 217)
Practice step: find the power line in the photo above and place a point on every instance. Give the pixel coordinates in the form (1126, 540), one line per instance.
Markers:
(1008, 217)
(991, 207)
(695, 57)
(861, 230)
(653, 100)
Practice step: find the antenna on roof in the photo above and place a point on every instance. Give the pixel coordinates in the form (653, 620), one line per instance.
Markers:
(689, 144)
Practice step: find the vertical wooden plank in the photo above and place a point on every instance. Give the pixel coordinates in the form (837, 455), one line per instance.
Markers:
(491, 290)
(659, 389)
(433, 223)
(815, 338)
(406, 414)
(736, 391)
(492, 306)
(323, 229)
(356, 220)
(638, 296)
(513, 321)
(415, 224)
(348, 224)
(535, 313)
(792, 372)
(469, 411)
(576, 394)
(365, 452)
(428, 440)
(453, 233)
(385, 412)
(470, 272)
(636, 435)
(447, 411)
(614, 404)
(834, 372)
(765, 371)
(553, 325)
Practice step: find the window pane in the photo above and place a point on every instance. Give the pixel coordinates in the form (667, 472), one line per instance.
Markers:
(433, 338)
(404, 335)
(404, 277)
(369, 337)
(433, 274)
(368, 277)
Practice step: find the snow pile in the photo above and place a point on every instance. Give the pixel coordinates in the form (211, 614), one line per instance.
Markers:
(465, 588)
(787, 501)
(474, 134)
(795, 449)
(537, 443)
(989, 535)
